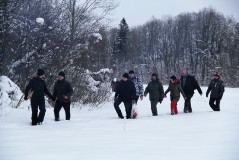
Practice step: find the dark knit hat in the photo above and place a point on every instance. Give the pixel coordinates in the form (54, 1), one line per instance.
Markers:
(173, 77)
(126, 75)
(154, 74)
(61, 74)
(131, 72)
(40, 72)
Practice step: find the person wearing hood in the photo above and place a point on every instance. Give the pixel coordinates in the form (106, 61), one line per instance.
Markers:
(216, 87)
(62, 93)
(125, 92)
(38, 87)
(175, 89)
(156, 93)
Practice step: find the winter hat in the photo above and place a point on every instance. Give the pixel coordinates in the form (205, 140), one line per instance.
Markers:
(173, 77)
(40, 72)
(131, 72)
(125, 75)
(154, 74)
(61, 74)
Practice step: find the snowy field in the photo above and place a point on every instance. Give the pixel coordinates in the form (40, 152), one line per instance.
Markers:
(100, 135)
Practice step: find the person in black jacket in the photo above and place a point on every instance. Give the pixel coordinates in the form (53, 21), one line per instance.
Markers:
(216, 87)
(125, 93)
(38, 86)
(62, 93)
(189, 84)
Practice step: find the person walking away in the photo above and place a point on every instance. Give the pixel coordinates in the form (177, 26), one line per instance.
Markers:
(175, 89)
(38, 86)
(216, 87)
(125, 93)
(189, 84)
(62, 93)
(156, 93)
(138, 86)
(114, 84)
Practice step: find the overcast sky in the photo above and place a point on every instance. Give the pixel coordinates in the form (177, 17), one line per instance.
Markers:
(137, 12)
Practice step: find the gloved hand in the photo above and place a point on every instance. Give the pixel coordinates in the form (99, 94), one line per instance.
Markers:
(160, 102)
(207, 95)
(25, 98)
(165, 96)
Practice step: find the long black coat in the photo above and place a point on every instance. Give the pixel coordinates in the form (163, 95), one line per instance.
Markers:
(38, 85)
(216, 87)
(126, 91)
(190, 85)
(62, 88)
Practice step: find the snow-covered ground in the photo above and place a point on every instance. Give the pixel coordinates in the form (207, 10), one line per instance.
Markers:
(100, 135)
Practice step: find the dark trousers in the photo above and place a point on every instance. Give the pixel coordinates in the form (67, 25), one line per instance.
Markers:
(187, 104)
(215, 107)
(154, 107)
(128, 108)
(58, 106)
(35, 103)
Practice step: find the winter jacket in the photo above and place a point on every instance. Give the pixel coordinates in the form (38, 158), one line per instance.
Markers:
(39, 88)
(216, 87)
(138, 86)
(175, 90)
(155, 90)
(62, 88)
(189, 84)
(125, 91)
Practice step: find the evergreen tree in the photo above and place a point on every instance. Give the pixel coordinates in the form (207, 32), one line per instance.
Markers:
(120, 45)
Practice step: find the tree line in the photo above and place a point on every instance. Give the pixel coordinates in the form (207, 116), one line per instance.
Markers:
(74, 36)
(204, 43)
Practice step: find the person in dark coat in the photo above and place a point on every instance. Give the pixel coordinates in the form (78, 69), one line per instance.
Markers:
(216, 87)
(62, 93)
(39, 88)
(175, 89)
(189, 84)
(156, 93)
(125, 93)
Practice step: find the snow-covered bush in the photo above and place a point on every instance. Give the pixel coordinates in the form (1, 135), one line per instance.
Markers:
(10, 94)
(88, 90)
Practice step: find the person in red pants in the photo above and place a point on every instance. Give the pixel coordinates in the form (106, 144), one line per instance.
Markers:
(175, 89)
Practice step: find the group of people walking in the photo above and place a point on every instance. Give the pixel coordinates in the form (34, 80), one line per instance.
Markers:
(130, 89)
(61, 96)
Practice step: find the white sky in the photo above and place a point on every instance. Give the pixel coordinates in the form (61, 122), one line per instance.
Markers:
(137, 12)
